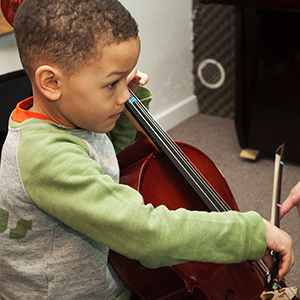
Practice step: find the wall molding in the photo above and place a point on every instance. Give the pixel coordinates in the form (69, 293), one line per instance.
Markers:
(178, 113)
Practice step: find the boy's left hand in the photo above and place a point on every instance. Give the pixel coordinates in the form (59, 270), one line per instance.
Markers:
(136, 78)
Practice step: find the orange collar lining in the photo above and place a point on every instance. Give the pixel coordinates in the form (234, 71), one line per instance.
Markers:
(21, 113)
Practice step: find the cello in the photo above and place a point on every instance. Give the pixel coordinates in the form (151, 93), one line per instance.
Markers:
(202, 183)
(155, 165)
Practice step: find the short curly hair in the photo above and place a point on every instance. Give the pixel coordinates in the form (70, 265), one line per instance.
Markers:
(69, 33)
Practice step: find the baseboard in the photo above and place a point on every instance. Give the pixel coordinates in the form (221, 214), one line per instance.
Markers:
(178, 113)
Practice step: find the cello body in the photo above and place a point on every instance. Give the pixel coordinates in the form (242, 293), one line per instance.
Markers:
(145, 169)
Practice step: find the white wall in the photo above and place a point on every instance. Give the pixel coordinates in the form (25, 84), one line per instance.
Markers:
(9, 58)
(166, 35)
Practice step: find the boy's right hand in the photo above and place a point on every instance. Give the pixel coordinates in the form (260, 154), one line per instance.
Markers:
(279, 241)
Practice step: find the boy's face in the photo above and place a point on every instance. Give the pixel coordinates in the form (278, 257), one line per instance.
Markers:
(94, 97)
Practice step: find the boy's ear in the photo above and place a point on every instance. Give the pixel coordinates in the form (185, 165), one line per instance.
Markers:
(47, 79)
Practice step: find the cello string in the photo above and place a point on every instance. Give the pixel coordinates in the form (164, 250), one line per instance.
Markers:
(176, 154)
(179, 163)
(172, 148)
(184, 160)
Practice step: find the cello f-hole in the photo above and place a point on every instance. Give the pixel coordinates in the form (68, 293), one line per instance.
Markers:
(230, 295)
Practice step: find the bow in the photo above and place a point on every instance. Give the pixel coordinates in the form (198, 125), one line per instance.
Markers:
(274, 290)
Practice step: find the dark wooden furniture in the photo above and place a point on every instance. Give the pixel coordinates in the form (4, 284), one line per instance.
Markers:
(267, 105)
(291, 5)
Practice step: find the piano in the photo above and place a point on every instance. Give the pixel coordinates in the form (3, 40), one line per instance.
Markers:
(267, 96)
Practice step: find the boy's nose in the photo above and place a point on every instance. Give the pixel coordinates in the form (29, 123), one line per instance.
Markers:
(125, 96)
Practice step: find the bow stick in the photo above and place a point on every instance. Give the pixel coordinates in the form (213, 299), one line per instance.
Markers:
(271, 281)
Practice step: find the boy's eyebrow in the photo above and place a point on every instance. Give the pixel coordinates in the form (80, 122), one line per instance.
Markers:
(116, 73)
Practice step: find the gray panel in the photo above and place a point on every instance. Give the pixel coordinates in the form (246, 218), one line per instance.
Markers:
(214, 38)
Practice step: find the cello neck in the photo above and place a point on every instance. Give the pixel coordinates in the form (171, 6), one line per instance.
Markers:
(168, 147)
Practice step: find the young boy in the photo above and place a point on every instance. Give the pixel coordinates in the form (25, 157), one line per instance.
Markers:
(61, 205)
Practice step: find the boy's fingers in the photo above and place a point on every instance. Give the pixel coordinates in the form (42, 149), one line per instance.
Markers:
(286, 264)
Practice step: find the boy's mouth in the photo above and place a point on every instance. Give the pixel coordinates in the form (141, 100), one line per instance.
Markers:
(115, 117)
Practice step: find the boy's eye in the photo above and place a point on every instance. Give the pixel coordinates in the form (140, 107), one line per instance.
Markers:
(112, 84)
